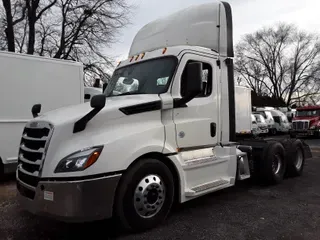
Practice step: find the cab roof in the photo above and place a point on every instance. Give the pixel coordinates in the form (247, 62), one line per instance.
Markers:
(206, 25)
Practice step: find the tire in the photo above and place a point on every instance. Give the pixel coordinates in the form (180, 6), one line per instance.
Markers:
(1, 170)
(273, 131)
(138, 180)
(292, 135)
(273, 164)
(295, 159)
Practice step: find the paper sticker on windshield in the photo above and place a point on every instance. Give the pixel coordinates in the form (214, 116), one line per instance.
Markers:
(48, 196)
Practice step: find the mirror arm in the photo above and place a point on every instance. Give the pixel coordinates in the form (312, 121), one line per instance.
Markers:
(182, 102)
(81, 124)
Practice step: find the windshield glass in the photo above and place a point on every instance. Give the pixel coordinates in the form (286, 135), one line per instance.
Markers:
(284, 119)
(262, 113)
(260, 118)
(149, 77)
(307, 113)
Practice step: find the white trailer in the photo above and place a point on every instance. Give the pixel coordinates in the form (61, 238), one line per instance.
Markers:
(131, 152)
(27, 80)
(243, 110)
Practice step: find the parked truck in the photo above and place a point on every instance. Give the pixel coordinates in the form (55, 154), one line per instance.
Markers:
(27, 80)
(131, 155)
(306, 122)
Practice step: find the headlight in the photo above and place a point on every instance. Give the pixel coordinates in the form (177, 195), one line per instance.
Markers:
(79, 161)
(313, 127)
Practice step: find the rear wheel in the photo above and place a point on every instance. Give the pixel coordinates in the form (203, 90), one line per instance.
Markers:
(273, 163)
(1, 170)
(145, 195)
(296, 159)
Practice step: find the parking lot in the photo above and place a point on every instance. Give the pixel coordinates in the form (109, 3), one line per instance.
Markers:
(290, 210)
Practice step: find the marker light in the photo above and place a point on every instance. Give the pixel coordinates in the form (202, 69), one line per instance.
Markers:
(164, 50)
(131, 58)
(142, 55)
(137, 57)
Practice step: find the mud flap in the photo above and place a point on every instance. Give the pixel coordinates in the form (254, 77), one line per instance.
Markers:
(306, 150)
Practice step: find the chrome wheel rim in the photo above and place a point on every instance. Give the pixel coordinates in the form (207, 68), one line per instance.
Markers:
(276, 164)
(149, 196)
(299, 159)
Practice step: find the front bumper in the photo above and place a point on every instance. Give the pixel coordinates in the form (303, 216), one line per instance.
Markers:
(308, 132)
(70, 201)
(263, 131)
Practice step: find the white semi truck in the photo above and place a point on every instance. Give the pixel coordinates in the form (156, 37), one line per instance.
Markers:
(130, 155)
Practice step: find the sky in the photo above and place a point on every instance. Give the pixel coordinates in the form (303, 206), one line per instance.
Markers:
(248, 16)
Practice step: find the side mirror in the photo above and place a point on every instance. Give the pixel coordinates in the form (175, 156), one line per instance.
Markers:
(36, 109)
(104, 86)
(98, 101)
(193, 84)
(87, 96)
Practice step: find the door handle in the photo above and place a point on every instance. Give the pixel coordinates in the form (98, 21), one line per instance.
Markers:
(213, 129)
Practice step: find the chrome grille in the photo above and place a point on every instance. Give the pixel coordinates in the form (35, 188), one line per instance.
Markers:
(300, 125)
(33, 147)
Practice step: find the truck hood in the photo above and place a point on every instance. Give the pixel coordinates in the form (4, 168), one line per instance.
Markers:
(110, 111)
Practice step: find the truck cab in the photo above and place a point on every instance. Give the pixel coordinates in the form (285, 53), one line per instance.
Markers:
(281, 122)
(262, 124)
(131, 153)
(306, 122)
(269, 119)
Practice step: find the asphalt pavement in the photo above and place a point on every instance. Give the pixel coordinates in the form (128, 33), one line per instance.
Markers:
(290, 210)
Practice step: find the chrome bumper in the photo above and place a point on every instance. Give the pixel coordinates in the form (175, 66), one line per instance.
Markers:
(70, 201)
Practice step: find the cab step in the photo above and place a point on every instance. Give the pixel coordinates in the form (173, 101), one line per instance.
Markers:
(200, 189)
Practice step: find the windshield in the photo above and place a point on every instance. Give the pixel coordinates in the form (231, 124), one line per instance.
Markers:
(284, 119)
(260, 119)
(307, 113)
(262, 113)
(149, 77)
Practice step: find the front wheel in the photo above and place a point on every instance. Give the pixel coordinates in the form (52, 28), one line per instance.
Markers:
(145, 195)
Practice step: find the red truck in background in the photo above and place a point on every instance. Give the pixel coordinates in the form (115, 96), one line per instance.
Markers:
(306, 122)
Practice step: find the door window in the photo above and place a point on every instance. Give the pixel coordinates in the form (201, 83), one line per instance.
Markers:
(206, 80)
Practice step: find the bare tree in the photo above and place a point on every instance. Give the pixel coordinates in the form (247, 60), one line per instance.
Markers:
(280, 61)
(77, 30)
(86, 28)
(18, 8)
(34, 14)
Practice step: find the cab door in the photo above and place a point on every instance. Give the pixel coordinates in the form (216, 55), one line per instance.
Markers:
(197, 123)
